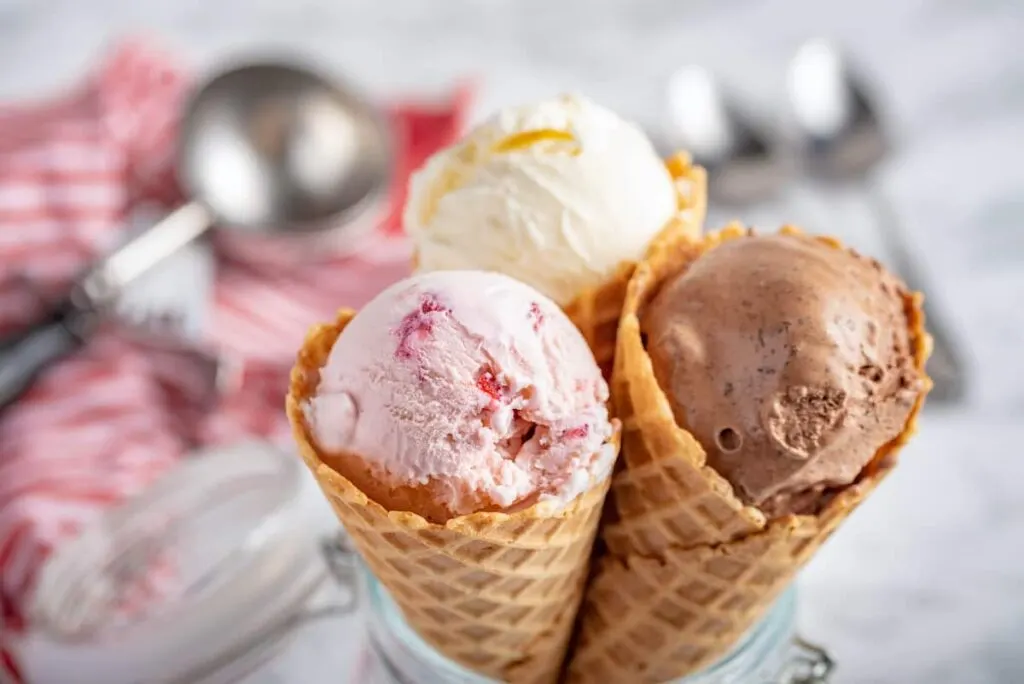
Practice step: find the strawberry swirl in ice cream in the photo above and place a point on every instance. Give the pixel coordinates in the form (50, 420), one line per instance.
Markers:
(463, 392)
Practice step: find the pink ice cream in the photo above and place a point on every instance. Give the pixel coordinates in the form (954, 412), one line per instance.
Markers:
(461, 391)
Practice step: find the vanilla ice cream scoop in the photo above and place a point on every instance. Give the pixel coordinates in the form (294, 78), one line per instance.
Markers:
(458, 392)
(555, 194)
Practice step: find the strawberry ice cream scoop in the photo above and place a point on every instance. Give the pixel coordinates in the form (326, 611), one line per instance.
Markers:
(455, 392)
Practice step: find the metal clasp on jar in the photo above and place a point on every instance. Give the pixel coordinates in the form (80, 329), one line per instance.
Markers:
(806, 664)
(341, 559)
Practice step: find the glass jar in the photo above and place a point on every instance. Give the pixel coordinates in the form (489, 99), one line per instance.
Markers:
(771, 653)
(228, 579)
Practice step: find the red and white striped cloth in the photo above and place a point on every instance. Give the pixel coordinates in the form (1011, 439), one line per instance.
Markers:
(100, 426)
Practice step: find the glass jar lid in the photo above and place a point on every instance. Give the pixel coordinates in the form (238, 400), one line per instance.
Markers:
(163, 586)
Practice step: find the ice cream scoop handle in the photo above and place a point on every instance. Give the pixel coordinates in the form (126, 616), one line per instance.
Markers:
(26, 353)
(145, 250)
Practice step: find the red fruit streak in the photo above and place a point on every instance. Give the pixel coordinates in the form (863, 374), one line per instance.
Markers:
(489, 385)
(417, 325)
(577, 432)
(536, 316)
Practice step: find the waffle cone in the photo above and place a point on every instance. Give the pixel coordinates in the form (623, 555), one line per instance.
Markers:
(497, 593)
(596, 311)
(685, 568)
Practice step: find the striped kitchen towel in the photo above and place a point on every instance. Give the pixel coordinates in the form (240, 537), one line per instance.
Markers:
(103, 424)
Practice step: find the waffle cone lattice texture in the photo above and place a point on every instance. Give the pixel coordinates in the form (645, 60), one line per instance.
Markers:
(596, 311)
(497, 593)
(684, 569)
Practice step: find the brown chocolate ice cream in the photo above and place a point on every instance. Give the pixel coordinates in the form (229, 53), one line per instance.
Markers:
(789, 360)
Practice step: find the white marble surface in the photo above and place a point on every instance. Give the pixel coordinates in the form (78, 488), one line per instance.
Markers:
(926, 583)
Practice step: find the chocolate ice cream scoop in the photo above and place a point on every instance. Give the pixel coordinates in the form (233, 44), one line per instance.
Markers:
(789, 359)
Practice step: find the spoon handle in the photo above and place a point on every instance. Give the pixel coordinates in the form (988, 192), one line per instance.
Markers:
(945, 365)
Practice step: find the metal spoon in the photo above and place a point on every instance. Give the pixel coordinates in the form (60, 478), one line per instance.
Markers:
(843, 142)
(744, 164)
(265, 148)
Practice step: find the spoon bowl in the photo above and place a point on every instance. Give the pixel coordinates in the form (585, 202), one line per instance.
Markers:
(837, 123)
(744, 165)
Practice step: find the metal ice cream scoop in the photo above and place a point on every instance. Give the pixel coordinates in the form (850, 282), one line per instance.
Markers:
(265, 148)
(844, 141)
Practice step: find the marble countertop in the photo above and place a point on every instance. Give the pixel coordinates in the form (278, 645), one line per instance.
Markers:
(924, 585)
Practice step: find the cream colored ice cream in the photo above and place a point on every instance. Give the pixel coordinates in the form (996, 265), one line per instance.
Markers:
(555, 194)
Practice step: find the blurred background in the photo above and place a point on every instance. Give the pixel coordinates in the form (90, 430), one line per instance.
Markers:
(923, 585)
